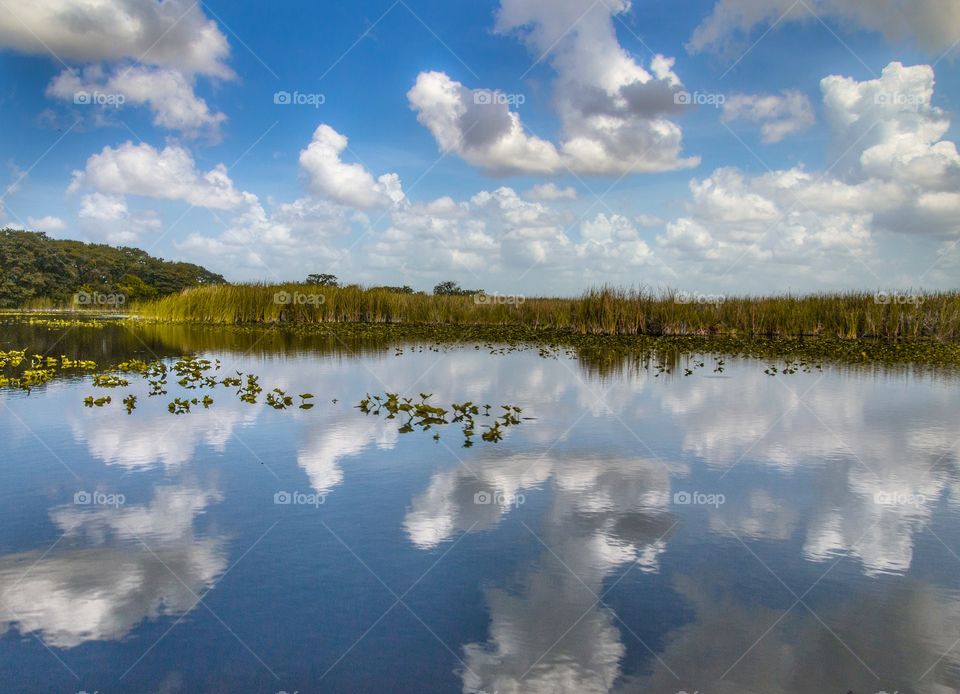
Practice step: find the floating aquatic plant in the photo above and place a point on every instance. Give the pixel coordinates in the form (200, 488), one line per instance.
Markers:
(423, 416)
(90, 401)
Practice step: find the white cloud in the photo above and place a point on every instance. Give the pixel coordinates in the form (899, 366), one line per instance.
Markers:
(168, 174)
(103, 208)
(897, 175)
(780, 229)
(484, 134)
(47, 223)
(168, 93)
(550, 191)
(107, 218)
(648, 220)
(613, 112)
(612, 242)
(498, 231)
(286, 243)
(350, 184)
(778, 116)
(933, 24)
(173, 33)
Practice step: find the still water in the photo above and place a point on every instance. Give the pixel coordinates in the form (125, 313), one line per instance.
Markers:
(725, 532)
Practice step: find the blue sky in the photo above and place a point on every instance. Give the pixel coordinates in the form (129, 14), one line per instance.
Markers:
(535, 146)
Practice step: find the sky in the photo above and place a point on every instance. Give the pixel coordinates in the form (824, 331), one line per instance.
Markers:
(540, 147)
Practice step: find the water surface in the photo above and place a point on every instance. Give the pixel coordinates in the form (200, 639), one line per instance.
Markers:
(723, 532)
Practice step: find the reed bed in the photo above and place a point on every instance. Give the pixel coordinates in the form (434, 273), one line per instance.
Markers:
(601, 311)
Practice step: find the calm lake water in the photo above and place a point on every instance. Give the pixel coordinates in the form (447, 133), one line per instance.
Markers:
(718, 533)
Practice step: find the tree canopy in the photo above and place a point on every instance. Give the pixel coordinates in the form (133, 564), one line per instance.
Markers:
(451, 288)
(34, 266)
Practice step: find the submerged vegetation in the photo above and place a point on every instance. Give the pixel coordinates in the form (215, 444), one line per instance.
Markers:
(606, 311)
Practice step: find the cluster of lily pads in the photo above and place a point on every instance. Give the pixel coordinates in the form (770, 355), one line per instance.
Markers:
(51, 322)
(36, 369)
(191, 373)
(422, 415)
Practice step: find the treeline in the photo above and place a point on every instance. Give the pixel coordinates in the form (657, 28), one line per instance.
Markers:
(38, 269)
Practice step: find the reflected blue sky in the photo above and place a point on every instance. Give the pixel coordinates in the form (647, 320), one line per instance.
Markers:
(566, 558)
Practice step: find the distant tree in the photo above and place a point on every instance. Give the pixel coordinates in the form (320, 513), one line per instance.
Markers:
(34, 266)
(133, 287)
(396, 290)
(451, 288)
(324, 279)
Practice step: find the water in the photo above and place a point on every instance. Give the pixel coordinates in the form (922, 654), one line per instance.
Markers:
(726, 532)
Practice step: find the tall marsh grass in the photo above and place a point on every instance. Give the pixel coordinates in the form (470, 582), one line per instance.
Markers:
(604, 311)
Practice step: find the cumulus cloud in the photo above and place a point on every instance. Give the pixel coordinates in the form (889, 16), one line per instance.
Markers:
(932, 24)
(485, 133)
(167, 174)
(48, 223)
(614, 113)
(896, 174)
(107, 218)
(140, 53)
(168, 93)
(648, 220)
(898, 179)
(498, 231)
(103, 208)
(173, 33)
(350, 184)
(550, 191)
(778, 115)
(283, 243)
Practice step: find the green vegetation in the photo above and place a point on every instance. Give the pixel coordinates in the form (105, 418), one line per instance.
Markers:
(422, 415)
(323, 279)
(451, 288)
(38, 270)
(604, 311)
(27, 371)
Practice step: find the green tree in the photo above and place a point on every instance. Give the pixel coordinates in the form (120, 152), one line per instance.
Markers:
(451, 288)
(323, 279)
(34, 266)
